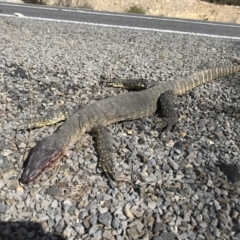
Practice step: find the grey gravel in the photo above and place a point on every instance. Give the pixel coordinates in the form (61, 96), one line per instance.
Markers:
(115, 223)
(168, 236)
(53, 190)
(4, 162)
(105, 219)
(68, 206)
(172, 186)
(3, 208)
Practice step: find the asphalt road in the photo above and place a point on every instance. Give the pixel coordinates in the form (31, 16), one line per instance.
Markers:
(211, 29)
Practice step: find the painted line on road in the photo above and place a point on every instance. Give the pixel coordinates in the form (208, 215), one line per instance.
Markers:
(158, 18)
(126, 27)
(125, 15)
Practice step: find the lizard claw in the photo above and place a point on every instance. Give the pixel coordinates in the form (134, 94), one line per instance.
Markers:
(104, 149)
(166, 125)
(107, 166)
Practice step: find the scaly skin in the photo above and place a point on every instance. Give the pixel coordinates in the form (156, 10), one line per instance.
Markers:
(53, 116)
(129, 106)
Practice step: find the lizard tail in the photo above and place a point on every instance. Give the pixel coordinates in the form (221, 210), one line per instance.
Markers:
(187, 83)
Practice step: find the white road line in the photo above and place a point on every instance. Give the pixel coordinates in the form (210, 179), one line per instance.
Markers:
(157, 18)
(127, 16)
(18, 15)
(127, 27)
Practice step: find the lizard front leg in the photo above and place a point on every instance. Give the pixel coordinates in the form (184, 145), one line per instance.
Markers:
(129, 84)
(104, 149)
(166, 105)
(52, 117)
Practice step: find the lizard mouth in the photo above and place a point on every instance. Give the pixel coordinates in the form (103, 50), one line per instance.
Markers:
(40, 158)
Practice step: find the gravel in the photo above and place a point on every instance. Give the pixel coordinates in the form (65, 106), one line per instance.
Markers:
(171, 187)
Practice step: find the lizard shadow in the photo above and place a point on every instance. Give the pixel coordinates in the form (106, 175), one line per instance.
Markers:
(26, 230)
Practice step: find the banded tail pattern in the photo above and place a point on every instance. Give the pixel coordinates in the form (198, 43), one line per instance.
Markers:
(187, 83)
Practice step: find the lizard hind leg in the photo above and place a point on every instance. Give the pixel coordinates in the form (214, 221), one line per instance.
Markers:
(166, 111)
(104, 149)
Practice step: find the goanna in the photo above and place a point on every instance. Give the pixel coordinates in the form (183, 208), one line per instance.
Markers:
(95, 117)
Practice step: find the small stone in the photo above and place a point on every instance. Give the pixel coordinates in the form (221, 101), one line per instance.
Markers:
(60, 226)
(19, 189)
(98, 235)
(29, 215)
(79, 229)
(174, 165)
(124, 224)
(20, 205)
(209, 183)
(105, 219)
(54, 203)
(193, 222)
(2, 183)
(93, 219)
(191, 156)
(217, 205)
(82, 215)
(133, 233)
(91, 165)
(3, 208)
(158, 227)
(6, 152)
(214, 222)
(68, 206)
(178, 147)
(143, 158)
(53, 190)
(168, 236)
(223, 200)
(102, 210)
(107, 235)
(237, 207)
(135, 212)
(115, 223)
(152, 205)
(177, 151)
(170, 143)
(189, 165)
(203, 224)
(93, 229)
(119, 214)
(22, 145)
(187, 216)
(86, 222)
(141, 141)
(210, 142)
(69, 232)
(107, 197)
(128, 212)
(91, 205)
(4, 163)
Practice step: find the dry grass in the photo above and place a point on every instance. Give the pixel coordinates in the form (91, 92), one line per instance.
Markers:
(83, 4)
(136, 9)
(43, 2)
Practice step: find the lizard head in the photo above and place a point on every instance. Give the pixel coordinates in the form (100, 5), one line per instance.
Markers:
(42, 156)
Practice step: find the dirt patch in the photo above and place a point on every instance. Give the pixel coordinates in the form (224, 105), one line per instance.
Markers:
(191, 9)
